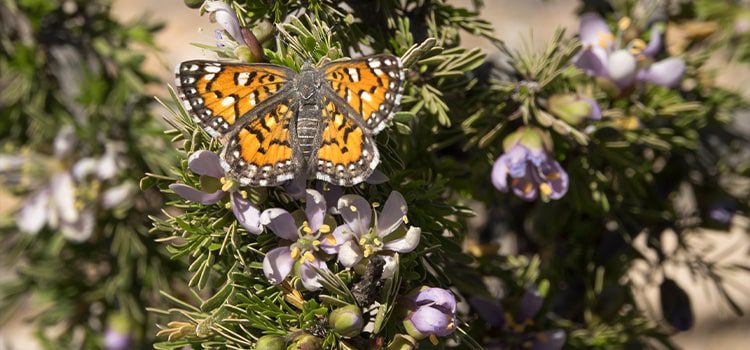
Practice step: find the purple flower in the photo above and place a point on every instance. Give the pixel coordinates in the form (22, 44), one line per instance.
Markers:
(574, 108)
(223, 14)
(308, 236)
(515, 326)
(431, 313)
(602, 55)
(529, 166)
(215, 185)
(722, 211)
(63, 202)
(296, 188)
(358, 240)
(114, 340)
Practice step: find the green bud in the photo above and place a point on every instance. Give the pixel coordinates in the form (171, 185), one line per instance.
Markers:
(245, 54)
(305, 341)
(270, 342)
(194, 4)
(531, 138)
(346, 321)
(569, 108)
(402, 342)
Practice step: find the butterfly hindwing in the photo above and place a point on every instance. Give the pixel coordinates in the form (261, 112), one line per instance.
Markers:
(218, 95)
(262, 152)
(347, 154)
(372, 86)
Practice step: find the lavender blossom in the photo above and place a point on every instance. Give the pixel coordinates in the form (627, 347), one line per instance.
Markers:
(530, 167)
(431, 313)
(308, 237)
(357, 240)
(602, 56)
(215, 185)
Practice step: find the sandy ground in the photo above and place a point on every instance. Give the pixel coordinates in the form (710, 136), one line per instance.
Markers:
(514, 21)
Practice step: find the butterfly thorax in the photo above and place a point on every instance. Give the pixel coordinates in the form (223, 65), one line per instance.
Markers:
(308, 122)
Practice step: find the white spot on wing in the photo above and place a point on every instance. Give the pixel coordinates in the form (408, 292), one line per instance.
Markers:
(227, 101)
(365, 96)
(354, 73)
(242, 78)
(209, 76)
(212, 69)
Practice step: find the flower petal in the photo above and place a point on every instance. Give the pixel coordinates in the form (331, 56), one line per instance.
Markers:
(280, 222)
(295, 187)
(390, 267)
(593, 28)
(340, 235)
(377, 177)
(114, 196)
(593, 61)
(654, 45)
(500, 173)
(356, 212)
(429, 320)
(407, 243)
(549, 340)
(80, 229)
(278, 264)
(349, 254)
(596, 111)
(206, 163)
(332, 194)
(64, 196)
(436, 297)
(197, 196)
(489, 311)
(622, 67)
(315, 209)
(246, 213)
(555, 177)
(106, 165)
(64, 141)
(666, 73)
(393, 214)
(84, 167)
(226, 18)
(530, 304)
(33, 215)
(309, 277)
(525, 188)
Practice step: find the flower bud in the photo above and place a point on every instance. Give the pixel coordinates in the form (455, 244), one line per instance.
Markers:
(431, 313)
(346, 321)
(305, 341)
(270, 342)
(531, 138)
(194, 4)
(573, 109)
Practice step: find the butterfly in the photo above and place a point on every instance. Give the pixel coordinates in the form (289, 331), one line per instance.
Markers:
(277, 124)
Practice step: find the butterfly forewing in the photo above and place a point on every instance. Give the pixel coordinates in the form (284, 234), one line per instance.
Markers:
(347, 153)
(218, 95)
(372, 86)
(262, 152)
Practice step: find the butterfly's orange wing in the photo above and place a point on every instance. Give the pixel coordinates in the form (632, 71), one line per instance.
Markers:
(218, 95)
(261, 153)
(372, 86)
(347, 153)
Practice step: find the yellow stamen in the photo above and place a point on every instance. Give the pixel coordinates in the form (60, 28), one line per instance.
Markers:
(228, 205)
(624, 23)
(331, 240)
(306, 228)
(545, 188)
(605, 39)
(528, 187)
(553, 176)
(450, 325)
(324, 228)
(433, 339)
(243, 194)
(406, 220)
(227, 185)
(362, 241)
(309, 256)
(295, 253)
(376, 241)
(638, 43)
(223, 180)
(375, 204)
(316, 242)
(368, 251)
(353, 208)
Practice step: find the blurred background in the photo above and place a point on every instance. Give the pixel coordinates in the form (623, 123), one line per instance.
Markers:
(715, 327)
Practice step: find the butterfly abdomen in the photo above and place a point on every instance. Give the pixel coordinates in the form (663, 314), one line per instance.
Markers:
(308, 129)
